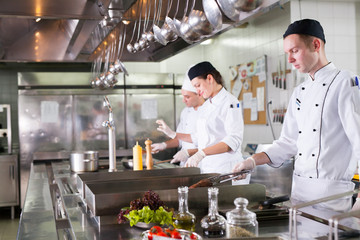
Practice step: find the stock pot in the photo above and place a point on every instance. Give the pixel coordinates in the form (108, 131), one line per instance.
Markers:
(86, 161)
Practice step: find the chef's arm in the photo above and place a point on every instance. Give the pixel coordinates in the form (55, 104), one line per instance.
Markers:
(261, 158)
(172, 143)
(184, 137)
(251, 162)
(218, 148)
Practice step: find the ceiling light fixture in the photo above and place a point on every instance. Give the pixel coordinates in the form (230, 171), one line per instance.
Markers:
(37, 20)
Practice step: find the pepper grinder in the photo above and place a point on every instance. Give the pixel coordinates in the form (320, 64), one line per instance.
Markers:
(149, 160)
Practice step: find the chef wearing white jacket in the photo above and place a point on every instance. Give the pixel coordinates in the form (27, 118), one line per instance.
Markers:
(188, 117)
(219, 128)
(322, 123)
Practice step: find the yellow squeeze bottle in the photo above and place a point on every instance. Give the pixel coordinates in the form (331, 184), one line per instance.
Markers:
(137, 157)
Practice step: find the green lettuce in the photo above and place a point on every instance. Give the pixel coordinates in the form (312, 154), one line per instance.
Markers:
(146, 215)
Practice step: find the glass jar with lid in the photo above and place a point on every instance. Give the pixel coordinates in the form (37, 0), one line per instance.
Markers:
(213, 224)
(241, 222)
(184, 219)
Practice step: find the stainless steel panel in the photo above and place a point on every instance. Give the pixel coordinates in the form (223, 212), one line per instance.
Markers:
(59, 79)
(149, 79)
(138, 127)
(109, 203)
(9, 190)
(82, 179)
(38, 136)
(89, 114)
(277, 180)
(179, 105)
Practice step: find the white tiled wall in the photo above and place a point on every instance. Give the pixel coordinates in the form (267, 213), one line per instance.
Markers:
(339, 21)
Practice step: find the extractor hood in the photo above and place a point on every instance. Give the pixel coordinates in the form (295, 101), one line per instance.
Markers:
(72, 30)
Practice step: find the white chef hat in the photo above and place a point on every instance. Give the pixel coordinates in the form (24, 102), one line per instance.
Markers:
(187, 84)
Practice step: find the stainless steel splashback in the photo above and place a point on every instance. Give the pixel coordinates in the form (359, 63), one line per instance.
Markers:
(60, 113)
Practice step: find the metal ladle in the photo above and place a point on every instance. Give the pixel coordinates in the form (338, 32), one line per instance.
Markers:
(156, 29)
(200, 24)
(166, 30)
(119, 66)
(227, 6)
(186, 30)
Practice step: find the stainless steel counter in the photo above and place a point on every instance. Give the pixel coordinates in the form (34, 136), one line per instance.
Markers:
(54, 209)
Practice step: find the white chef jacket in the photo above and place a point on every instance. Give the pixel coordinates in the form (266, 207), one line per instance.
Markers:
(220, 120)
(322, 128)
(188, 118)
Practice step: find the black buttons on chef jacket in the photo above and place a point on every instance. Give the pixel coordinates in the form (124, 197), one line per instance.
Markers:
(324, 84)
(316, 105)
(302, 88)
(313, 155)
(314, 130)
(298, 108)
(299, 131)
(300, 154)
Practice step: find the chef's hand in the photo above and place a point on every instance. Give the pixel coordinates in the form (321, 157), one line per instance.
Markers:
(195, 159)
(165, 129)
(180, 156)
(248, 164)
(157, 147)
(356, 205)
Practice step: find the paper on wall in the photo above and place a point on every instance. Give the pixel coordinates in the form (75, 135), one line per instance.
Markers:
(254, 110)
(237, 87)
(262, 77)
(49, 111)
(260, 94)
(247, 100)
(149, 109)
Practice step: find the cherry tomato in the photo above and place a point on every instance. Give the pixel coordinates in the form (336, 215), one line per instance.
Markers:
(156, 229)
(175, 234)
(193, 236)
(150, 235)
(162, 234)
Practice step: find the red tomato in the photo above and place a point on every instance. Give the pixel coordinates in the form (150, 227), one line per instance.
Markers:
(150, 235)
(156, 229)
(175, 234)
(162, 234)
(193, 236)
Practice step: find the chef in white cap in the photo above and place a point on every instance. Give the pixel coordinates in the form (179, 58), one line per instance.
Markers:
(219, 127)
(187, 125)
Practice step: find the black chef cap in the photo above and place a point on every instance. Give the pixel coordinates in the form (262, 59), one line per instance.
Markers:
(306, 26)
(200, 69)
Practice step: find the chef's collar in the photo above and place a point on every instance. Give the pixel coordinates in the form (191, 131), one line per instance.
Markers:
(218, 97)
(324, 71)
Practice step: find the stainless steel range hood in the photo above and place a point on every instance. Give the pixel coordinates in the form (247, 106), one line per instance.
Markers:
(67, 29)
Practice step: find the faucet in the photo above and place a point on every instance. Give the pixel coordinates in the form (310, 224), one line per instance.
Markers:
(109, 124)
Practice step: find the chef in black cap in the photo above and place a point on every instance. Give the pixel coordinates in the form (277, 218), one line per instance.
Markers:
(219, 128)
(322, 123)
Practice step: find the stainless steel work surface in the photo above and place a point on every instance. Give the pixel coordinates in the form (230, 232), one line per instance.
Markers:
(39, 222)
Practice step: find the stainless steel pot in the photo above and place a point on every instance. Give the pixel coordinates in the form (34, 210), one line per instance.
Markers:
(87, 161)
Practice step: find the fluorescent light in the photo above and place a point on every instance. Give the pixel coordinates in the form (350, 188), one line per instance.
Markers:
(37, 20)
